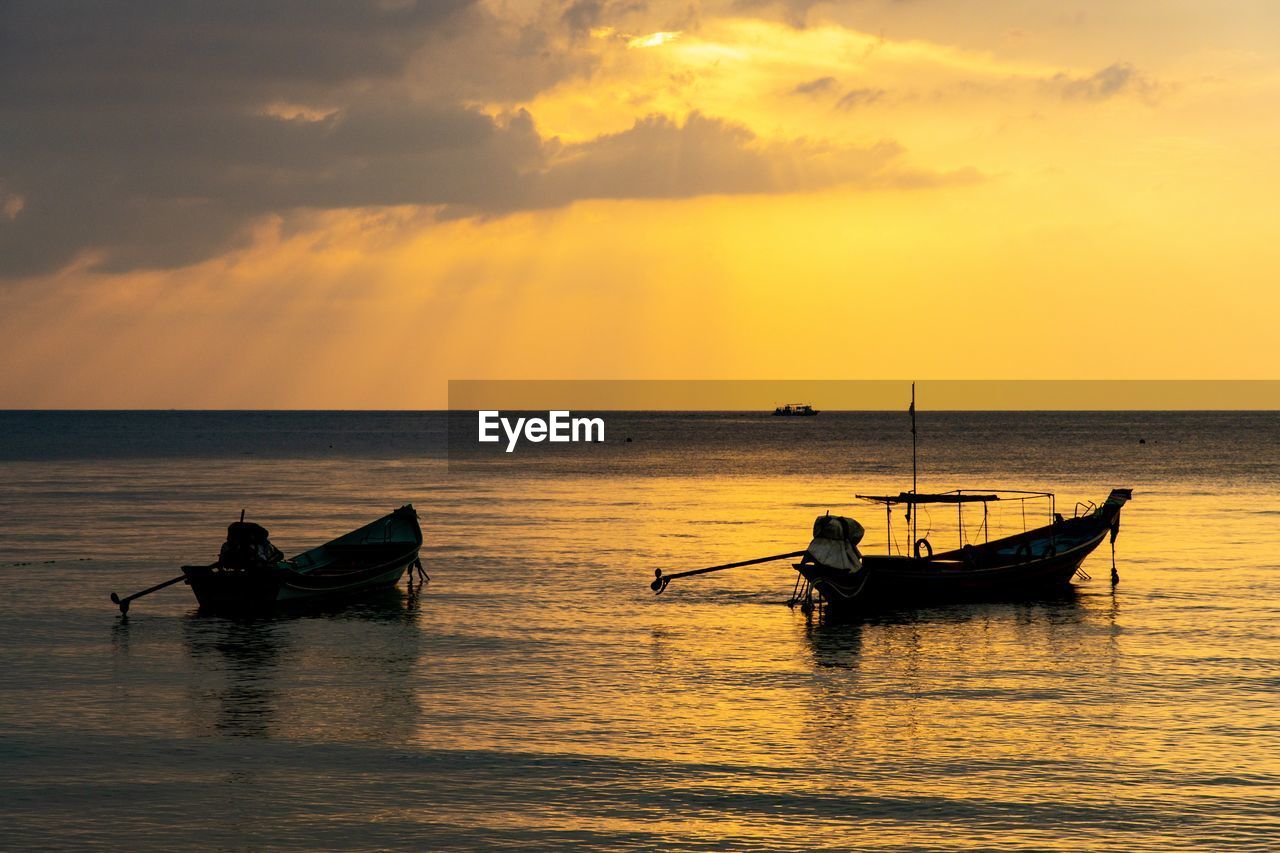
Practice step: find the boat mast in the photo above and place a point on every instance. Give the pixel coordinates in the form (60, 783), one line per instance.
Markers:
(913, 456)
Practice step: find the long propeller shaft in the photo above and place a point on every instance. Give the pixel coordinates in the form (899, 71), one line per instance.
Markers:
(660, 580)
(123, 603)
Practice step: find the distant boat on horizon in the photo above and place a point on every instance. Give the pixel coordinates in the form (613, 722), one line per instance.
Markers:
(795, 410)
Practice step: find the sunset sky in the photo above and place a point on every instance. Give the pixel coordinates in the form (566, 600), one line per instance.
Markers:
(332, 205)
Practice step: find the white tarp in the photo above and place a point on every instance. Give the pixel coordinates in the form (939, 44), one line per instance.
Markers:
(835, 543)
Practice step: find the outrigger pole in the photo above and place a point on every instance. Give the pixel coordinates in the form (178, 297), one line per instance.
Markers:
(660, 580)
(123, 603)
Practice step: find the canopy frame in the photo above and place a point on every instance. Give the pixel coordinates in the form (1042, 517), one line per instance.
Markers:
(959, 497)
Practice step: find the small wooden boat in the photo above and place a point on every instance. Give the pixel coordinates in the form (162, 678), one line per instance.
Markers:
(251, 575)
(1036, 562)
(246, 578)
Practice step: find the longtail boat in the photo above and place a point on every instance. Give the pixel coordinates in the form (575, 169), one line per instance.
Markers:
(1034, 562)
(252, 576)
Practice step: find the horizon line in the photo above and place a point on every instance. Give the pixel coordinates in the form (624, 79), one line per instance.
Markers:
(760, 411)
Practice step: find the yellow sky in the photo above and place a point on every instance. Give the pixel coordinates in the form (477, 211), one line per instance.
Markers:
(919, 195)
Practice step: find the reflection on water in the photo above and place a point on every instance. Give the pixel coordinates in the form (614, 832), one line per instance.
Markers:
(835, 643)
(257, 673)
(835, 637)
(244, 658)
(536, 693)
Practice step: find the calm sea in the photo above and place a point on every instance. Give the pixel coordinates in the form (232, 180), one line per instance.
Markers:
(536, 694)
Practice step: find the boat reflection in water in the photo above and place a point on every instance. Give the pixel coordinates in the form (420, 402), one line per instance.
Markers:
(933, 706)
(835, 640)
(341, 672)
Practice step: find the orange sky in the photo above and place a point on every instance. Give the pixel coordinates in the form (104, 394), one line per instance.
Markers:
(597, 190)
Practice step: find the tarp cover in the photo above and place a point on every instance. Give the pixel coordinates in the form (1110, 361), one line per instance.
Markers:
(835, 542)
(248, 545)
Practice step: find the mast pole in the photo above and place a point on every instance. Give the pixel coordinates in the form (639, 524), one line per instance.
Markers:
(913, 457)
(888, 529)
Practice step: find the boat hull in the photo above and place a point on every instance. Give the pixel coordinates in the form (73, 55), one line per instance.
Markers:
(1034, 564)
(257, 592)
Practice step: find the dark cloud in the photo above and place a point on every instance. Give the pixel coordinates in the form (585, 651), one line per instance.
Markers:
(859, 98)
(815, 87)
(849, 100)
(138, 130)
(794, 12)
(155, 134)
(1116, 79)
(162, 190)
(76, 51)
(581, 15)
(661, 158)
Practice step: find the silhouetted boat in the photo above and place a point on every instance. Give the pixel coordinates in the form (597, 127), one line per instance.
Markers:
(1035, 562)
(1031, 563)
(795, 410)
(252, 575)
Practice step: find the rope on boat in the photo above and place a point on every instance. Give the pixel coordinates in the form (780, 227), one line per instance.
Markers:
(807, 607)
(819, 603)
(801, 591)
(1115, 531)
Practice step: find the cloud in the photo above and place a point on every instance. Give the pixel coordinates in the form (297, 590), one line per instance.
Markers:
(793, 12)
(849, 100)
(859, 98)
(1116, 79)
(661, 158)
(815, 87)
(156, 134)
(581, 15)
(146, 188)
(60, 52)
(141, 132)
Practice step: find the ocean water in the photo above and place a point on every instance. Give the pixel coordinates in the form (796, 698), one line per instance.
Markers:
(536, 694)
